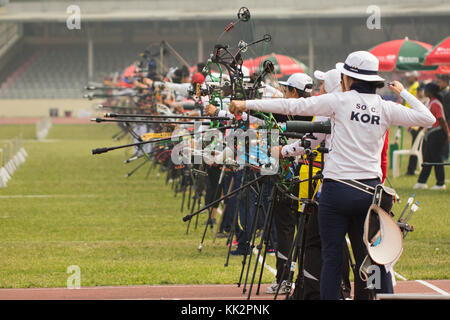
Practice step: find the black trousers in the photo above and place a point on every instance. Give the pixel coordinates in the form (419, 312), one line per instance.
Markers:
(434, 147)
(230, 203)
(310, 289)
(212, 183)
(343, 209)
(285, 218)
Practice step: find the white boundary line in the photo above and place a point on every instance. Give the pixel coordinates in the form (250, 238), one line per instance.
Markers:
(398, 275)
(433, 287)
(272, 270)
(427, 284)
(255, 252)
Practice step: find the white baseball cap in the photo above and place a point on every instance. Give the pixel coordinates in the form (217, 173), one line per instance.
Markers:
(361, 65)
(299, 81)
(332, 79)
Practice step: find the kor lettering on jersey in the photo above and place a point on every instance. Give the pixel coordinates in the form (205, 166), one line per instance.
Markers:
(365, 118)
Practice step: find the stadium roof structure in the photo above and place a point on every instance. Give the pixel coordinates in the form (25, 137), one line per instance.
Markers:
(160, 10)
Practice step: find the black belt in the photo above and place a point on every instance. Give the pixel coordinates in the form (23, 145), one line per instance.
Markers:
(355, 184)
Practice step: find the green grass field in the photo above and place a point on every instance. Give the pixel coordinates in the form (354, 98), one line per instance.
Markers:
(119, 231)
(66, 207)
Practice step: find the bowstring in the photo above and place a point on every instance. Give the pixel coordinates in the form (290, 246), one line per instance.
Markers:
(273, 80)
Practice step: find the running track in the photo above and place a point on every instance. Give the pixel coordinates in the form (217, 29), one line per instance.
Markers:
(435, 289)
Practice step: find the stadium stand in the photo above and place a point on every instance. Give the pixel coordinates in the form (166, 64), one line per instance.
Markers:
(58, 72)
(52, 62)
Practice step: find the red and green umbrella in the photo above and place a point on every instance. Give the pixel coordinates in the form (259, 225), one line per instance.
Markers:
(402, 55)
(439, 54)
(284, 65)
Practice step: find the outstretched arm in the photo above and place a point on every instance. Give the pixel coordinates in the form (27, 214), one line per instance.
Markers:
(317, 105)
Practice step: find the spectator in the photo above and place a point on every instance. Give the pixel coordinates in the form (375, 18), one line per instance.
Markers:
(421, 94)
(435, 141)
(443, 80)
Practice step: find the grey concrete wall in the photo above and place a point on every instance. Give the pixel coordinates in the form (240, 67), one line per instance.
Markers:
(207, 9)
(41, 107)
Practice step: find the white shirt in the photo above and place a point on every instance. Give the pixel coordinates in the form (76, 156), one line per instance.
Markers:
(358, 126)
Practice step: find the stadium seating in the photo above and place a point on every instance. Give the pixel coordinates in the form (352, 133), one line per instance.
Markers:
(61, 72)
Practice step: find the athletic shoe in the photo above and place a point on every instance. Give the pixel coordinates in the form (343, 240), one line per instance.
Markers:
(420, 186)
(436, 187)
(346, 292)
(222, 235)
(272, 289)
(212, 221)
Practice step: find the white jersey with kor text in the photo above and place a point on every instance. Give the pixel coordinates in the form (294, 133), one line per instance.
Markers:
(358, 126)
